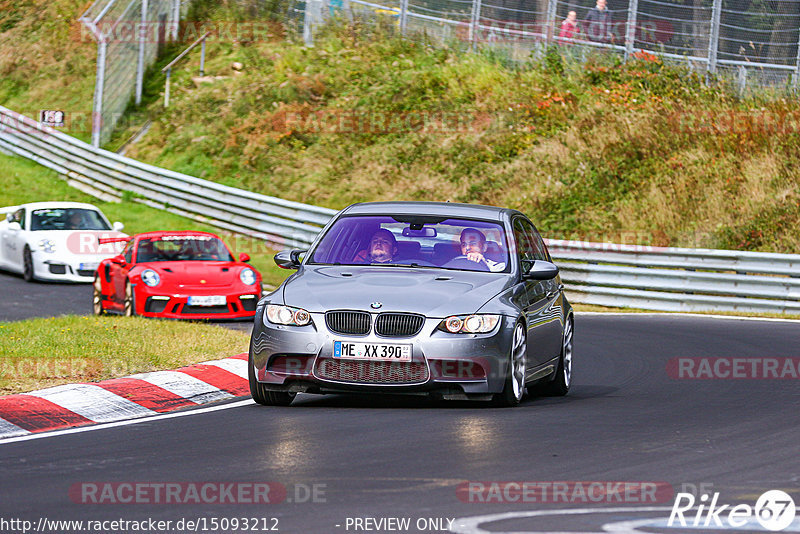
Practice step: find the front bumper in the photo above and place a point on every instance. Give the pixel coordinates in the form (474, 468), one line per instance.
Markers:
(79, 269)
(239, 303)
(291, 358)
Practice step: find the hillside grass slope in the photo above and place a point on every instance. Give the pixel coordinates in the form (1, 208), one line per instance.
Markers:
(638, 152)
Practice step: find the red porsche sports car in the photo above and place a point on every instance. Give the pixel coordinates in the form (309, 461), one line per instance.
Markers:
(177, 275)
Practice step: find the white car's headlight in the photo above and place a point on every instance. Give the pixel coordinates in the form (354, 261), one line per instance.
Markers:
(150, 277)
(48, 246)
(286, 315)
(247, 276)
(469, 324)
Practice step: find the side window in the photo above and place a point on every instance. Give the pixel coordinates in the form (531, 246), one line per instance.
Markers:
(19, 216)
(128, 252)
(537, 243)
(525, 249)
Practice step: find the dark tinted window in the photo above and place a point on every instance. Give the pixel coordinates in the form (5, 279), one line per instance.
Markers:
(420, 240)
(182, 248)
(67, 219)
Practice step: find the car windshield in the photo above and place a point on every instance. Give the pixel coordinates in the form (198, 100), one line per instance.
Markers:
(67, 219)
(416, 241)
(182, 248)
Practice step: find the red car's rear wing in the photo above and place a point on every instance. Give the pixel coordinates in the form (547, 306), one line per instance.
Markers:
(104, 240)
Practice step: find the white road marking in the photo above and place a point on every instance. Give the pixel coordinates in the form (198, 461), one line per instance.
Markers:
(159, 417)
(92, 402)
(472, 525)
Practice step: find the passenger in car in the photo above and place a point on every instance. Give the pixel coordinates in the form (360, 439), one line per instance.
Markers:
(382, 248)
(473, 246)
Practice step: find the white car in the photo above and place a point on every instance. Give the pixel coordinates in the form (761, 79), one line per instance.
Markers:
(56, 240)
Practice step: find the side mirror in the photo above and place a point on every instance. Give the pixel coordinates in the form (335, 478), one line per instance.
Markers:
(288, 259)
(14, 225)
(119, 260)
(244, 257)
(538, 270)
(117, 226)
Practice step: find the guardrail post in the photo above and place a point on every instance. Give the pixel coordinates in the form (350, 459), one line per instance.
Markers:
(474, 23)
(741, 80)
(166, 89)
(713, 40)
(140, 61)
(630, 28)
(403, 16)
(203, 58)
(97, 108)
(176, 18)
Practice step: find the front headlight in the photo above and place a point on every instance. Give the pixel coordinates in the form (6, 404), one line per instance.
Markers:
(247, 276)
(48, 246)
(286, 315)
(469, 324)
(150, 277)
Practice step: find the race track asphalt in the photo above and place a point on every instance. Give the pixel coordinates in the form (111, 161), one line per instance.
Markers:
(626, 419)
(22, 300)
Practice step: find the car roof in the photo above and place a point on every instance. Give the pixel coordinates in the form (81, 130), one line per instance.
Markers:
(449, 209)
(54, 205)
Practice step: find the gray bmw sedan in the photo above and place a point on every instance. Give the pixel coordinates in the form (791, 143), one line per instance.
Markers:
(458, 301)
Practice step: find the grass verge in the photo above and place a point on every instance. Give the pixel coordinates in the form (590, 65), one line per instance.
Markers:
(40, 353)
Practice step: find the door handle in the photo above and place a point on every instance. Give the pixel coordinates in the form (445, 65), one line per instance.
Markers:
(555, 292)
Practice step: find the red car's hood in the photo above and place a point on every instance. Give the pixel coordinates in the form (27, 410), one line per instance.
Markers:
(197, 273)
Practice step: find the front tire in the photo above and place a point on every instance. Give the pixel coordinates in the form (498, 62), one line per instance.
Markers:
(129, 304)
(514, 388)
(27, 264)
(563, 379)
(97, 297)
(262, 395)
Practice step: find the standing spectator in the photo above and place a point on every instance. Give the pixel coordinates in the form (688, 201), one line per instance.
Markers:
(569, 28)
(599, 23)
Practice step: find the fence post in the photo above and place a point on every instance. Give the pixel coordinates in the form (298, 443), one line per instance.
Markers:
(474, 23)
(176, 18)
(142, 45)
(550, 23)
(403, 16)
(99, 85)
(630, 28)
(713, 40)
(796, 80)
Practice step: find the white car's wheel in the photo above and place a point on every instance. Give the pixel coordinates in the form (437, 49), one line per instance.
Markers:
(27, 264)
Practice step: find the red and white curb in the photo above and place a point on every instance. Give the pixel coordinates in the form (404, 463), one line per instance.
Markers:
(130, 397)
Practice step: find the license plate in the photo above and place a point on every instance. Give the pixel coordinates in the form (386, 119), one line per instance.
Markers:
(207, 300)
(88, 266)
(371, 351)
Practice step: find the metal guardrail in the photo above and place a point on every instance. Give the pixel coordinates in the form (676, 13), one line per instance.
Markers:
(107, 175)
(606, 274)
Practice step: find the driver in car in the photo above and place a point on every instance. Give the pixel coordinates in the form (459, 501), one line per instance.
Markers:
(473, 246)
(382, 248)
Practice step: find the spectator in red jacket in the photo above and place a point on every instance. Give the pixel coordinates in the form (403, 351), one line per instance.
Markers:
(569, 28)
